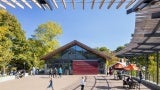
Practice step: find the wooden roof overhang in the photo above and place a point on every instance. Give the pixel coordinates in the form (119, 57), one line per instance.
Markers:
(73, 43)
(141, 4)
(146, 37)
(55, 4)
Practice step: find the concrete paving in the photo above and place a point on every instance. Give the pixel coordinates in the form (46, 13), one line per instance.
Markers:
(39, 82)
(67, 82)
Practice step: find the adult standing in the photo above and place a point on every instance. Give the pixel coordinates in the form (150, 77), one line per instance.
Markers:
(33, 70)
(82, 83)
(50, 72)
(60, 72)
(140, 76)
(55, 72)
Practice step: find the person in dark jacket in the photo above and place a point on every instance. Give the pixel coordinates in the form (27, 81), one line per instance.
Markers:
(50, 84)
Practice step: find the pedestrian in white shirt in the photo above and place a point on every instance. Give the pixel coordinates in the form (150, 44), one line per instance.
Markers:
(82, 83)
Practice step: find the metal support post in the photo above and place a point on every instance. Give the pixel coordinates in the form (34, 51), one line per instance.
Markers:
(157, 54)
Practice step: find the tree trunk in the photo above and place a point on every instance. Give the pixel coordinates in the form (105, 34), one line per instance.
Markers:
(4, 70)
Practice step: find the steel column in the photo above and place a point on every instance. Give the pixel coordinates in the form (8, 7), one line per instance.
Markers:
(146, 69)
(157, 59)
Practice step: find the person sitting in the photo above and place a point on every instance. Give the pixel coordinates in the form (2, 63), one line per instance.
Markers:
(130, 82)
(128, 79)
(119, 75)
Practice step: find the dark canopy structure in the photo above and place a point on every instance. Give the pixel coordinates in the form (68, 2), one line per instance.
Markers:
(141, 4)
(146, 37)
(54, 4)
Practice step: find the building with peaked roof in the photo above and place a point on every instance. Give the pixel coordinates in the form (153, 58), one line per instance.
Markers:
(76, 58)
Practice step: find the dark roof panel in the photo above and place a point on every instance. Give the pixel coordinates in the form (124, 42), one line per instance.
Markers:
(146, 36)
(73, 43)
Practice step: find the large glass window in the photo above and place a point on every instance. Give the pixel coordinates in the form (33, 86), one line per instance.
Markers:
(64, 58)
(76, 53)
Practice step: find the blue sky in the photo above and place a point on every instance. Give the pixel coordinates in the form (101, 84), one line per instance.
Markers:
(95, 28)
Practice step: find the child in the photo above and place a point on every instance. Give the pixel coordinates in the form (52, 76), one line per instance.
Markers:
(50, 84)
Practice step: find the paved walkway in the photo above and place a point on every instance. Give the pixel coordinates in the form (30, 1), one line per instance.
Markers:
(39, 82)
(67, 82)
(118, 84)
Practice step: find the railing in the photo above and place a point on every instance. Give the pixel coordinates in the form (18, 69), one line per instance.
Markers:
(149, 84)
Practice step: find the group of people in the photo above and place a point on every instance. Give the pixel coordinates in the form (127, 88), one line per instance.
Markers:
(82, 83)
(20, 74)
(131, 82)
(53, 72)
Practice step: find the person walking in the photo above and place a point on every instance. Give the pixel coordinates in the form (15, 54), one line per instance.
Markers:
(50, 84)
(50, 72)
(55, 72)
(82, 83)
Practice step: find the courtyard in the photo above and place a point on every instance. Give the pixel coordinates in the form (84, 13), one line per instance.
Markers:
(66, 82)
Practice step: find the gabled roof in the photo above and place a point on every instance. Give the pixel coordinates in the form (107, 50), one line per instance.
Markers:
(73, 43)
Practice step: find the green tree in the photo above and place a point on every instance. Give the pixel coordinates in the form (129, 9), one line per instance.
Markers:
(47, 35)
(12, 39)
(109, 53)
(5, 43)
(21, 57)
(152, 67)
(5, 52)
(104, 49)
(44, 40)
(119, 48)
(34, 53)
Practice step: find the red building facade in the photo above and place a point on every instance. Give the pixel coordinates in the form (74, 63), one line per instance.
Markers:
(81, 67)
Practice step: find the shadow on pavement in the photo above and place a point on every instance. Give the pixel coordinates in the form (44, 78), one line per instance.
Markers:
(44, 77)
(100, 79)
(114, 79)
(102, 87)
(120, 87)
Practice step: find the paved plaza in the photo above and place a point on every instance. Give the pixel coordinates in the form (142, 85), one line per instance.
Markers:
(67, 82)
